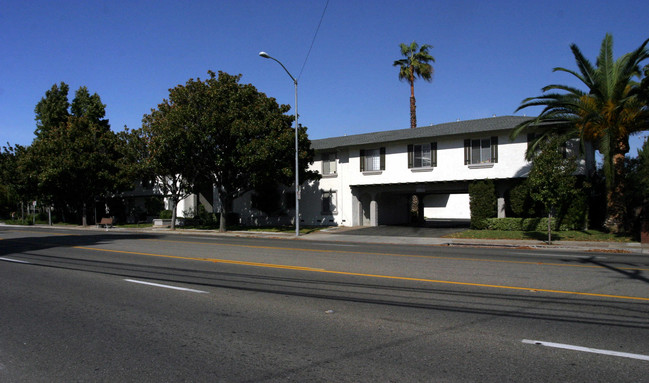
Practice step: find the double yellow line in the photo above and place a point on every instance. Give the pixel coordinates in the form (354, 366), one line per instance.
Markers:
(317, 270)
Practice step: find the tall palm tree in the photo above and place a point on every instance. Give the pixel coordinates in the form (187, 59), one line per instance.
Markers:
(606, 114)
(415, 64)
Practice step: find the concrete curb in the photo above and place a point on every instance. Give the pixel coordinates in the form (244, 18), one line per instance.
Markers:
(329, 235)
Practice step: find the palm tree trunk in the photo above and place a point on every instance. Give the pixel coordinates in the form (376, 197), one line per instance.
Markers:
(413, 111)
(615, 195)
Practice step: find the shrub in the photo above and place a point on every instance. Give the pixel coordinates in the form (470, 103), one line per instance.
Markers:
(521, 202)
(575, 215)
(165, 214)
(153, 205)
(483, 203)
(267, 200)
(526, 224)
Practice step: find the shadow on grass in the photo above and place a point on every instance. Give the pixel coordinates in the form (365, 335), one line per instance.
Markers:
(274, 229)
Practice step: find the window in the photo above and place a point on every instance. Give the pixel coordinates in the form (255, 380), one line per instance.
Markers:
(328, 163)
(422, 155)
(372, 159)
(329, 202)
(481, 151)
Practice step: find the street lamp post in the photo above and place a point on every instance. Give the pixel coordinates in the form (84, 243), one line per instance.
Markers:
(297, 169)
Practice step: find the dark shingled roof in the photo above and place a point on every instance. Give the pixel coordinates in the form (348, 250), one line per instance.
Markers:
(439, 130)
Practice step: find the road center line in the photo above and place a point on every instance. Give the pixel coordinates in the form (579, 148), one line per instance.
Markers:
(394, 254)
(12, 260)
(301, 268)
(165, 286)
(587, 349)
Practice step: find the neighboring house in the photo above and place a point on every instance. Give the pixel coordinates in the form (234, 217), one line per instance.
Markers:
(370, 179)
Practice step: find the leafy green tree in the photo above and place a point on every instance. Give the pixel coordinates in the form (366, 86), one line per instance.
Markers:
(73, 158)
(643, 168)
(228, 134)
(551, 179)
(167, 152)
(605, 114)
(416, 64)
(638, 180)
(53, 109)
(10, 182)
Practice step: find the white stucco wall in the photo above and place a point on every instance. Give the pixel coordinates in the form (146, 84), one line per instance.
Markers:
(450, 167)
(369, 186)
(450, 162)
(447, 206)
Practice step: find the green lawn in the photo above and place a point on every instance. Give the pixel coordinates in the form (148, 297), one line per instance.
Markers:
(585, 235)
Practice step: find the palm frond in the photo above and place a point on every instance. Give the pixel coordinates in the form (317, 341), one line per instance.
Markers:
(586, 68)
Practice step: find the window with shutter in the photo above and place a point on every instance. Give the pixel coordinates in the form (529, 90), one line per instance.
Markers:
(372, 160)
(422, 155)
(481, 151)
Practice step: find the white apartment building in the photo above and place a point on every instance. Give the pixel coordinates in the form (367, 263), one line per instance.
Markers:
(370, 179)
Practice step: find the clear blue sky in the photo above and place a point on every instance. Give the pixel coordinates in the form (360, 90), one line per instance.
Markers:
(489, 55)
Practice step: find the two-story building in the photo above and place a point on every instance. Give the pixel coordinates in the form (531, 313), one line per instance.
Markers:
(370, 179)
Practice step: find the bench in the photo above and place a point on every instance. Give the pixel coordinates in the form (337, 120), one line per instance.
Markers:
(105, 222)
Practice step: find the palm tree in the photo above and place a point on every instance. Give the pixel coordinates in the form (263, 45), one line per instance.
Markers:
(415, 64)
(606, 114)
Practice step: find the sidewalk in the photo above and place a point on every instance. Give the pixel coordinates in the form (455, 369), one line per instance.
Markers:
(585, 246)
(336, 234)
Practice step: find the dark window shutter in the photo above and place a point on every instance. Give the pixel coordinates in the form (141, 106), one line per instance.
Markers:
(382, 152)
(362, 160)
(433, 154)
(467, 152)
(494, 149)
(411, 156)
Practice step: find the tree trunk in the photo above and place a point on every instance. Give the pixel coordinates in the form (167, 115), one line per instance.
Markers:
(550, 226)
(615, 195)
(84, 219)
(222, 223)
(173, 213)
(226, 206)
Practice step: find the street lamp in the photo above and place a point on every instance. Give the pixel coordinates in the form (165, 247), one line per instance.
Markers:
(297, 169)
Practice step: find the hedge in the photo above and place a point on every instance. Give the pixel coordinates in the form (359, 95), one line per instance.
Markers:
(526, 224)
(165, 214)
(482, 202)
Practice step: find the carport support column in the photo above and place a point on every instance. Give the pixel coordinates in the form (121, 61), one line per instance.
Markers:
(374, 212)
(501, 206)
(356, 210)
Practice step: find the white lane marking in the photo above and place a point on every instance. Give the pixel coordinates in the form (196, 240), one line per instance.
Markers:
(165, 286)
(587, 349)
(12, 260)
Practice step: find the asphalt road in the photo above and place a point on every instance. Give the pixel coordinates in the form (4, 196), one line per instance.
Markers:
(96, 306)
